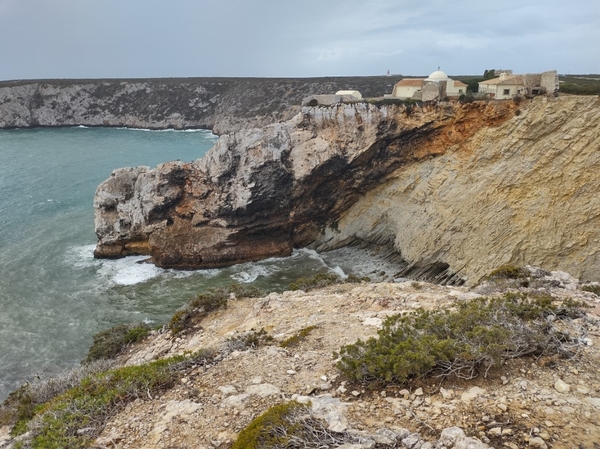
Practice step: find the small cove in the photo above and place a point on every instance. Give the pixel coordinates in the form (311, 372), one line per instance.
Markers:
(53, 294)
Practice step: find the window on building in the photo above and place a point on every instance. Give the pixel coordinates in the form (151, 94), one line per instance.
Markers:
(506, 91)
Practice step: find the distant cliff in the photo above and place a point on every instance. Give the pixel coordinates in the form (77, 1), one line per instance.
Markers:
(221, 104)
(456, 189)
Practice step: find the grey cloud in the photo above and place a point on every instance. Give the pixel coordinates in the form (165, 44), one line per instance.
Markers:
(85, 38)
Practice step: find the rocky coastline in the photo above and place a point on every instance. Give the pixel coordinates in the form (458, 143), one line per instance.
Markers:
(222, 105)
(543, 402)
(455, 189)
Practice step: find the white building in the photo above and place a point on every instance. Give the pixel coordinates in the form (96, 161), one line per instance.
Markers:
(350, 93)
(436, 86)
(407, 87)
(507, 85)
(504, 87)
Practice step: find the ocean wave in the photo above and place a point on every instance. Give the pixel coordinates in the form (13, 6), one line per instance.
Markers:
(80, 256)
(252, 273)
(311, 254)
(129, 270)
(208, 132)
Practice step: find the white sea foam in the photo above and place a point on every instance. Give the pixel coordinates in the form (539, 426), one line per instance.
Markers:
(208, 132)
(80, 256)
(310, 253)
(337, 270)
(252, 273)
(128, 271)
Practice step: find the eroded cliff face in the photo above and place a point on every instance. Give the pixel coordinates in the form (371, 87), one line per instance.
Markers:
(221, 104)
(524, 192)
(260, 192)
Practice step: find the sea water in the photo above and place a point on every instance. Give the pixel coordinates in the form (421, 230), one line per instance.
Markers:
(53, 294)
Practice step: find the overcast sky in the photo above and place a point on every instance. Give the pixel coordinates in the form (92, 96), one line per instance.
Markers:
(294, 38)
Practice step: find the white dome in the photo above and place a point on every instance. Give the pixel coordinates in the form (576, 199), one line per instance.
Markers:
(438, 75)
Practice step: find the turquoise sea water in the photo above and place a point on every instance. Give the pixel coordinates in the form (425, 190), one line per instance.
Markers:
(53, 294)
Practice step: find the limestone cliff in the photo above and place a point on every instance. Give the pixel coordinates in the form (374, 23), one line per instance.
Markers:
(523, 192)
(221, 104)
(260, 192)
(455, 189)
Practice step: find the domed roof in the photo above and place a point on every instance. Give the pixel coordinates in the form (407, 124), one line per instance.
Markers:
(438, 75)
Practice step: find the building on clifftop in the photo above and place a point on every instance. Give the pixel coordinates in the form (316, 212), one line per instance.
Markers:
(507, 85)
(436, 86)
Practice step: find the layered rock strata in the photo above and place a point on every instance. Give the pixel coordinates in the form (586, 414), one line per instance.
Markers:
(524, 192)
(221, 104)
(261, 192)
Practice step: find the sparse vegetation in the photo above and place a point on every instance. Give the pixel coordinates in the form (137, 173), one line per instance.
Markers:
(416, 285)
(509, 272)
(595, 289)
(110, 343)
(354, 279)
(20, 404)
(580, 84)
(208, 301)
(73, 414)
(290, 425)
(266, 430)
(409, 103)
(474, 336)
(319, 280)
(297, 337)
(249, 340)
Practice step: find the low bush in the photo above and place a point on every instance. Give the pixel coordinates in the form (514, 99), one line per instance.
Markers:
(249, 340)
(354, 279)
(297, 337)
(290, 425)
(474, 335)
(319, 280)
(20, 405)
(110, 343)
(208, 301)
(271, 428)
(74, 417)
(595, 289)
(509, 272)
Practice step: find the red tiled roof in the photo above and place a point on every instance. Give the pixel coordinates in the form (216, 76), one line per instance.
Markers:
(410, 82)
(514, 79)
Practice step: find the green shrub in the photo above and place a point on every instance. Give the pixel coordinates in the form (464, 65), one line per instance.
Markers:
(75, 417)
(110, 343)
(595, 289)
(319, 280)
(249, 340)
(476, 334)
(509, 272)
(297, 337)
(354, 279)
(291, 425)
(19, 407)
(208, 301)
(264, 431)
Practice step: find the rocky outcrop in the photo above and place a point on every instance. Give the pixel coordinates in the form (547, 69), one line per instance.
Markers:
(524, 192)
(456, 189)
(260, 192)
(221, 104)
(516, 407)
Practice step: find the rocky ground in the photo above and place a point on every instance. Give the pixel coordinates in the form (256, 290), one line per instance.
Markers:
(546, 402)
